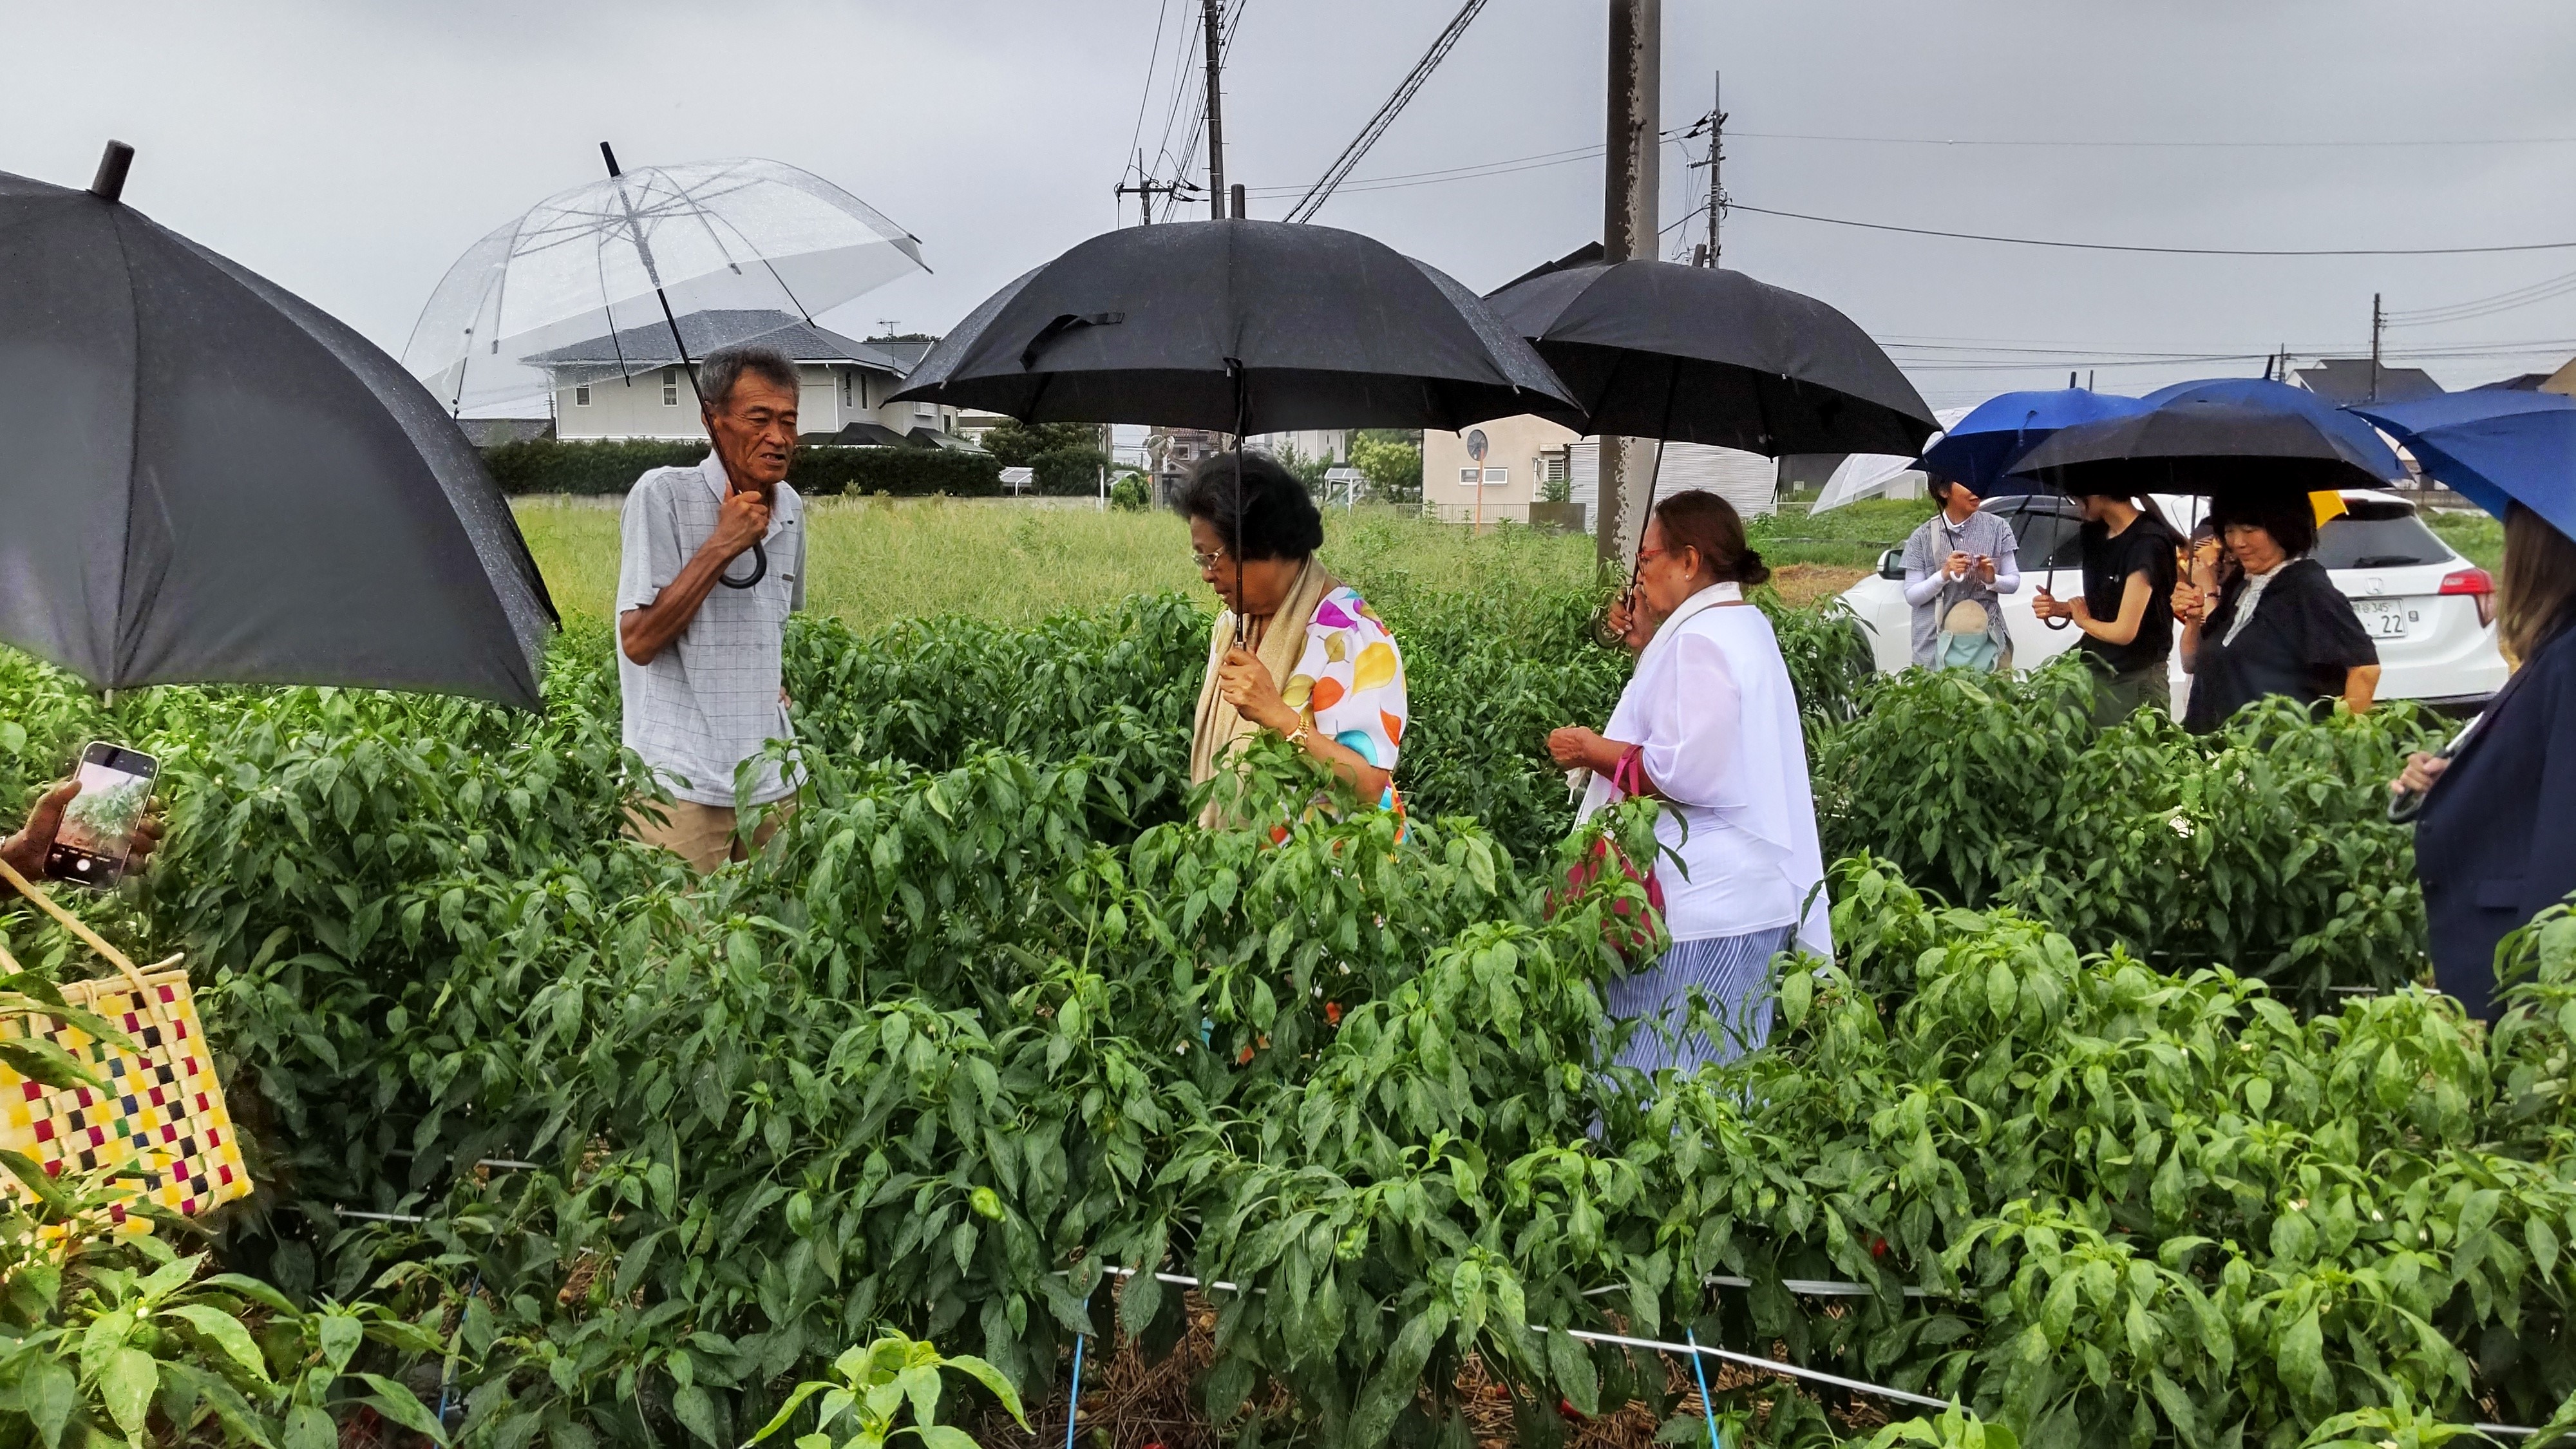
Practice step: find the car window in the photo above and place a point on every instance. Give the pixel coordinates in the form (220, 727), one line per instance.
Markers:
(2379, 539)
(2046, 539)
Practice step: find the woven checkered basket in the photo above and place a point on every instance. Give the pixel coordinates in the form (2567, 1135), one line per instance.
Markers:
(161, 1123)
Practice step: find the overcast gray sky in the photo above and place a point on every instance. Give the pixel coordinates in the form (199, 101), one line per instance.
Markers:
(351, 151)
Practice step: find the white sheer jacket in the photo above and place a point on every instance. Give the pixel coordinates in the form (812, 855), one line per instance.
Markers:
(1712, 707)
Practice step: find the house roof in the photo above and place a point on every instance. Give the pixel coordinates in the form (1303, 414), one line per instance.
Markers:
(907, 351)
(2519, 382)
(493, 432)
(802, 341)
(2347, 380)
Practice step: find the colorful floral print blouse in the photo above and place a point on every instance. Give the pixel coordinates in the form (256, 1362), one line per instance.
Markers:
(1349, 684)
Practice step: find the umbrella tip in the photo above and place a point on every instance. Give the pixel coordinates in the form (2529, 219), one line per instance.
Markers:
(109, 184)
(611, 158)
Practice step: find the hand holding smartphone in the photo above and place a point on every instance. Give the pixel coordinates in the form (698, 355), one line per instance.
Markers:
(95, 841)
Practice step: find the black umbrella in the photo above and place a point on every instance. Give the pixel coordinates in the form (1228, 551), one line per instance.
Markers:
(208, 479)
(1703, 355)
(1239, 326)
(2225, 435)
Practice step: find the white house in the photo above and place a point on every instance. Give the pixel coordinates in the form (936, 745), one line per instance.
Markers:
(1526, 456)
(631, 386)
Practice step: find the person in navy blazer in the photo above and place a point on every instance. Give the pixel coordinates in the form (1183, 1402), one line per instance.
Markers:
(2495, 843)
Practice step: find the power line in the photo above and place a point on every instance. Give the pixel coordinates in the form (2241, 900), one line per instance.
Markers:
(2161, 145)
(1153, 65)
(2508, 301)
(1447, 40)
(2024, 241)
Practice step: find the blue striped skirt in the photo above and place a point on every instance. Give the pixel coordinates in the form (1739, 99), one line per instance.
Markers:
(1733, 972)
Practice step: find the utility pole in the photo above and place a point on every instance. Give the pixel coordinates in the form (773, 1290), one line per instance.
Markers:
(1716, 160)
(2378, 320)
(1212, 17)
(1628, 227)
(1146, 189)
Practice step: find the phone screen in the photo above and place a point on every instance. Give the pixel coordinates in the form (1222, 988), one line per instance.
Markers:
(98, 825)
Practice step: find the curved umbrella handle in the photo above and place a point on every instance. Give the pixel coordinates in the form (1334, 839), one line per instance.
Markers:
(1065, 322)
(759, 569)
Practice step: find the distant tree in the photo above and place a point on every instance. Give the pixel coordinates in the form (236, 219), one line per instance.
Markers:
(1394, 467)
(1069, 472)
(1131, 493)
(1310, 471)
(1019, 445)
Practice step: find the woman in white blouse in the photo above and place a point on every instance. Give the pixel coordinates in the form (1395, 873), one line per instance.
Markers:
(1713, 721)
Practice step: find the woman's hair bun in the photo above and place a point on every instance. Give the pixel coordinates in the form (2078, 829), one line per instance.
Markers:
(1750, 569)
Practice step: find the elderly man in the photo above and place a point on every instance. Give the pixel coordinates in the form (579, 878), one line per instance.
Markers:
(714, 562)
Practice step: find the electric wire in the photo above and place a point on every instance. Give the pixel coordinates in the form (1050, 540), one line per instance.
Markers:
(2487, 306)
(1386, 113)
(2025, 241)
(2081, 144)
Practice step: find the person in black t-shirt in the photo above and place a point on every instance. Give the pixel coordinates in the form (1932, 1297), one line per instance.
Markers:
(2128, 634)
(2279, 627)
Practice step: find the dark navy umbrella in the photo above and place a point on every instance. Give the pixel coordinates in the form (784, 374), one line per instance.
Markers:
(2493, 448)
(2223, 436)
(1980, 449)
(208, 479)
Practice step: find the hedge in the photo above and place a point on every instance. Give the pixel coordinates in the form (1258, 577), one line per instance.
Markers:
(546, 465)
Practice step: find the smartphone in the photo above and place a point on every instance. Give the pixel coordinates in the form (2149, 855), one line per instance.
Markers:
(97, 832)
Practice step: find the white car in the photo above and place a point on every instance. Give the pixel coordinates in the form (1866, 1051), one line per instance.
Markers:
(2431, 611)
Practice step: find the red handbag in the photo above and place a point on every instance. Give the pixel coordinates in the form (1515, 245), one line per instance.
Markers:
(1628, 932)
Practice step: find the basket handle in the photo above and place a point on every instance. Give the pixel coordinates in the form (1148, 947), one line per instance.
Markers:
(79, 928)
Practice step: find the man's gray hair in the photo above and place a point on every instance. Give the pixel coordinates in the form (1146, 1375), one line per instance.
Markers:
(724, 367)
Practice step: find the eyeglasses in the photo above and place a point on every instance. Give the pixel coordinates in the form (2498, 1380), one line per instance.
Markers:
(1644, 554)
(1206, 561)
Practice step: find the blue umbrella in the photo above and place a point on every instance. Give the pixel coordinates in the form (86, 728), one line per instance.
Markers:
(1985, 443)
(2220, 436)
(2493, 448)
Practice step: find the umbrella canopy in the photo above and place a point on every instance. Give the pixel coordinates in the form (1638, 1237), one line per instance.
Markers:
(2493, 447)
(738, 247)
(1701, 355)
(209, 479)
(1242, 327)
(1980, 449)
(2221, 436)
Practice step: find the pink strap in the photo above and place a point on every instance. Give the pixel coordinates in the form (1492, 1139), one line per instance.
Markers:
(1627, 775)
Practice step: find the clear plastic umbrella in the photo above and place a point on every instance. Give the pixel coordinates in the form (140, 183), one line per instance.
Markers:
(590, 282)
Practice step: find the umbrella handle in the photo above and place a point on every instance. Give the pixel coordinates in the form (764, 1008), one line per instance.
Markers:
(759, 569)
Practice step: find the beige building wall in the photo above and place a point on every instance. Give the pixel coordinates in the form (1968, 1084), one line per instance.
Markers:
(1517, 452)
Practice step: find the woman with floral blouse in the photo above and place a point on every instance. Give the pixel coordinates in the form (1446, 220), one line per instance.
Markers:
(1313, 663)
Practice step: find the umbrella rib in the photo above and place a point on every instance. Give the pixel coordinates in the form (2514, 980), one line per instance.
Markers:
(123, 627)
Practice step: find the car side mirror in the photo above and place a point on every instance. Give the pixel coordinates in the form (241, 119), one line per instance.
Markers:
(1891, 564)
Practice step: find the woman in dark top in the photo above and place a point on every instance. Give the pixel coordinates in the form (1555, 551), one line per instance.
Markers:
(2279, 627)
(2128, 566)
(2496, 842)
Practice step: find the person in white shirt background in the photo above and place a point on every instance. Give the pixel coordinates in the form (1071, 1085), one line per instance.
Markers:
(1712, 720)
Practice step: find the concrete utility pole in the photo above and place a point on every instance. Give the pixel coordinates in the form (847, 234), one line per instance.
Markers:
(1628, 228)
(1213, 18)
(1716, 161)
(2378, 320)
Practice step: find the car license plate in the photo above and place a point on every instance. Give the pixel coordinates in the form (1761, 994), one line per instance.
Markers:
(2384, 618)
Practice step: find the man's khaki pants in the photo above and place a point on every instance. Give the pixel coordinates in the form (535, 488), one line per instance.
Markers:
(706, 836)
